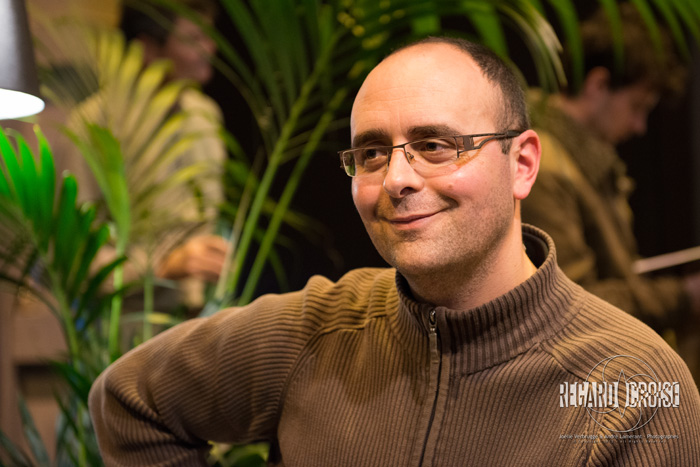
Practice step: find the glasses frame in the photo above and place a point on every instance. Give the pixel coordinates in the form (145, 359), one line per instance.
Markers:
(467, 142)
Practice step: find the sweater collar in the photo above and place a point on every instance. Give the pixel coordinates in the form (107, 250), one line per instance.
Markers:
(507, 326)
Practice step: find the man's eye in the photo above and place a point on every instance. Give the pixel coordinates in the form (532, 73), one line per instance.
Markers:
(434, 145)
(371, 153)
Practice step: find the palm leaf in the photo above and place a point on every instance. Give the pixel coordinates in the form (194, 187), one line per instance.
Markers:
(568, 18)
(36, 445)
(66, 222)
(59, 237)
(102, 152)
(125, 130)
(56, 240)
(47, 183)
(489, 27)
(16, 178)
(18, 457)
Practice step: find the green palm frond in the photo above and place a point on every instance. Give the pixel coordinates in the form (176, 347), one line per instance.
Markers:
(18, 456)
(50, 248)
(52, 241)
(13, 453)
(136, 105)
(139, 106)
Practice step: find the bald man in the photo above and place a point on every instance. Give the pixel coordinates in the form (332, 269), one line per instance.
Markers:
(473, 349)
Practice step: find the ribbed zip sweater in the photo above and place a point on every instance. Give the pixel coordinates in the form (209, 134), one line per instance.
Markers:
(357, 373)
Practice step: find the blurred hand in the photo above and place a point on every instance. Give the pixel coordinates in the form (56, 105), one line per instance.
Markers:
(200, 257)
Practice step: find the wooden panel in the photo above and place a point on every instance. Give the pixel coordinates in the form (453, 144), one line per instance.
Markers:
(30, 335)
(37, 335)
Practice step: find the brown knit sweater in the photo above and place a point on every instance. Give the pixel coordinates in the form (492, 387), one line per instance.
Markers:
(357, 373)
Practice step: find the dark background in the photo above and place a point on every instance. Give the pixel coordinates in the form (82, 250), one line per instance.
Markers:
(663, 164)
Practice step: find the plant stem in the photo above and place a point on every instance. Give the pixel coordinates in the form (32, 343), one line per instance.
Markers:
(243, 206)
(276, 157)
(82, 451)
(288, 194)
(115, 314)
(68, 324)
(148, 285)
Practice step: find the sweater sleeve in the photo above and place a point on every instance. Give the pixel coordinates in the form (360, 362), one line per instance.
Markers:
(215, 379)
(561, 206)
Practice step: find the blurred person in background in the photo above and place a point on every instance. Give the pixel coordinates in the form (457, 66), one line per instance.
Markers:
(165, 35)
(581, 194)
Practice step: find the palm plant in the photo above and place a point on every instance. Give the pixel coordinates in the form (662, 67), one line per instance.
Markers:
(124, 148)
(52, 242)
(136, 105)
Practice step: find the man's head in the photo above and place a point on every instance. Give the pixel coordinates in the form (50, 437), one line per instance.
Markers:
(616, 98)
(166, 35)
(458, 217)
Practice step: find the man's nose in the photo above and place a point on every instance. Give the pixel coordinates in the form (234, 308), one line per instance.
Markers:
(401, 179)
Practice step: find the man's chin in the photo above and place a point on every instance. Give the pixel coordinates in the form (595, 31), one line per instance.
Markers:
(413, 268)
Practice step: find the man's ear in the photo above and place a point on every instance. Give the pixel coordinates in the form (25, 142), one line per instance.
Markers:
(526, 151)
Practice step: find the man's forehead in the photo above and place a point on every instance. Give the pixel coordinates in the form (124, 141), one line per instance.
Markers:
(423, 85)
(430, 50)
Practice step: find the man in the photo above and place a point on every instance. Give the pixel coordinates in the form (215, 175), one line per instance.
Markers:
(455, 357)
(581, 194)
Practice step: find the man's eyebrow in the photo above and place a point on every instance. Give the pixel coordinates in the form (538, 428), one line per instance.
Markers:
(423, 131)
(416, 132)
(361, 139)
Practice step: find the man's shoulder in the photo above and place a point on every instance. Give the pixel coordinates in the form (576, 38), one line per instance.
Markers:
(358, 289)
(600, 331)
(353, 298)
(606, 346)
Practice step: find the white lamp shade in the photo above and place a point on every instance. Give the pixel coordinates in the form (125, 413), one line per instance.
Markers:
(19, 86)
(16, 104)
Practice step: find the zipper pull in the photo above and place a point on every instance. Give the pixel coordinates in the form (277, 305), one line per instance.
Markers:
(432, 320)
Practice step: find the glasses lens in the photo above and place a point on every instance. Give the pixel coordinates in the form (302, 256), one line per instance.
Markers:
(362, 161)
(371, 159)
(348, 162)
(434, 151)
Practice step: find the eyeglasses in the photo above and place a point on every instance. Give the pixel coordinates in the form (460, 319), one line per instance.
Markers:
(426, 156)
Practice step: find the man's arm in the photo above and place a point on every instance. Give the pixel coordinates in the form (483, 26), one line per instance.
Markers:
(218, 379)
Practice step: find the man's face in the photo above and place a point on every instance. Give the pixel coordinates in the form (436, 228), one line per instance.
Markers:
(447, 222)
(190, 49)
(622, 113)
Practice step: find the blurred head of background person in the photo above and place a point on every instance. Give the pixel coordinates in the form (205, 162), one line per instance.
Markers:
(164, 34)
(616, 97)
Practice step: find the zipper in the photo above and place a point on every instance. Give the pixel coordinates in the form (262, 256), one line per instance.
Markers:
(435, 362)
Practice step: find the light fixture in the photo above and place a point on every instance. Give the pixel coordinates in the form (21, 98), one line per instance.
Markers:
(19, 85)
